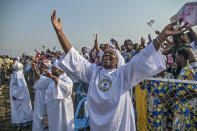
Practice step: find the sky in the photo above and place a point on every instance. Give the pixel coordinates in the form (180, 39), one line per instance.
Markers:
(26, 25)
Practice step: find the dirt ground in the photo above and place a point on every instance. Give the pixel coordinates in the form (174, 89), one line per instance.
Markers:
(5, 114)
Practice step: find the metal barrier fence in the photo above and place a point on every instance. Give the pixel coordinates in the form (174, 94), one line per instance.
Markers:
(171, 104)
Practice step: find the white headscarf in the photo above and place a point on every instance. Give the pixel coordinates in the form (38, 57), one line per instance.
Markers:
(48, 64)
(55, 64)
(17, 65)
(121, 60)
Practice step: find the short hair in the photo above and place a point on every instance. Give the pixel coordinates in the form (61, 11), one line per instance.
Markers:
(101, 45)
(83, 48)
(190, 36)
(184, 52)
(177, 38)
(128, 41)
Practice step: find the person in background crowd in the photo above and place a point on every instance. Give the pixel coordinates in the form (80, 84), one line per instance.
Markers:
(142, 42)
(184, 111)
(59, 102)
(135, 46)
(85, 53)
(21, 109)
(1, 70)
(102, 46)
(182, 95)
(122, 49)
(96, 53)
(178, 40)
(129, 53)
(40, 106)
(191, 38)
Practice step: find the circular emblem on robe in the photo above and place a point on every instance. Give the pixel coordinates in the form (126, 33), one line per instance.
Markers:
(105, 85)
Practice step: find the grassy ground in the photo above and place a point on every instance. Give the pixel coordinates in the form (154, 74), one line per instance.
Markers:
(5, 115)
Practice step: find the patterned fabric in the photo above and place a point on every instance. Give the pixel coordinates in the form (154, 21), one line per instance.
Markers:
(159, 115)
(128, 56)
(184, 110)
(81, 89)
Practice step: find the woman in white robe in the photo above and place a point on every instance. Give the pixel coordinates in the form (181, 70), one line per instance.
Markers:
(109, 104)
(21, 109)
(59, 102)
(40, 105)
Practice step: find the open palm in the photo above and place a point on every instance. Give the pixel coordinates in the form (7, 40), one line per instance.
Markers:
(56, 22)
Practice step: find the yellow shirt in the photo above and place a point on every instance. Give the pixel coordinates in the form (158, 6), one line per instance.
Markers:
(1, 63)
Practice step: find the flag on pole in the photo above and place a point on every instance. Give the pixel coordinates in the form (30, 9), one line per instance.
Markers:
(28, 66)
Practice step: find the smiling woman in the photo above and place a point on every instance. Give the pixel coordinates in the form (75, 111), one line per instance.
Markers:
(108, 93)
(109, 60)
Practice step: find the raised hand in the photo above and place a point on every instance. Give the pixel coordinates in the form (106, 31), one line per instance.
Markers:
(35, 70)
(168, 30)
(33, 64)
(48, 74)
(56, 22)
(66, 46)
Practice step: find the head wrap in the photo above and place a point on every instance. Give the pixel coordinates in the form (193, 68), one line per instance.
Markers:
(121, 60)
(47, 63)
(55, 64)
(17, 65)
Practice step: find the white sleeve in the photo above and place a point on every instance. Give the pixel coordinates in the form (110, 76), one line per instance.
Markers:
(42, 83)
(121, 60)
(76, 64)
(146, 63)
(63, 88)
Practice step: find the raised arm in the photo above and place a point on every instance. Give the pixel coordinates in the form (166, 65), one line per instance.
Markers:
(96, 46)
(167, 31)
(35, 70)
(48, 74)
(58, 28)
(116, 44)
(151, 61)
(71, 60)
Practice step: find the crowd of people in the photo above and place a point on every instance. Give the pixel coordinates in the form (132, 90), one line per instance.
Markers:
(113, 78)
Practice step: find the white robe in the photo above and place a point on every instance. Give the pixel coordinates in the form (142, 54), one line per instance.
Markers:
(59, 104)
(112, 110)
(21, 109)
(40, 106)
